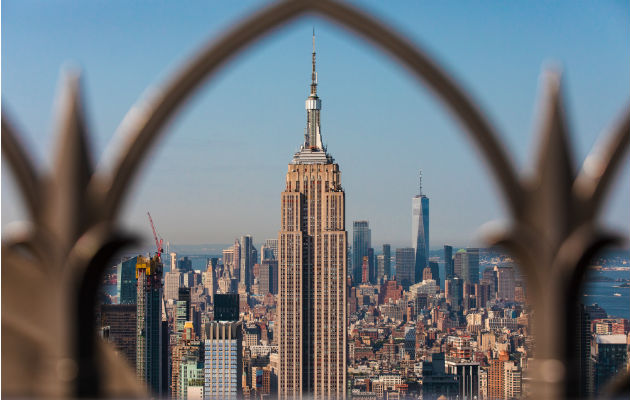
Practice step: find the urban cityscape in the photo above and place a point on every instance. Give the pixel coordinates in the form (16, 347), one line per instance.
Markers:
(445, 217)
(321, 311)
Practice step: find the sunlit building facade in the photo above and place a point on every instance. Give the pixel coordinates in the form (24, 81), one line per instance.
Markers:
(312, 243)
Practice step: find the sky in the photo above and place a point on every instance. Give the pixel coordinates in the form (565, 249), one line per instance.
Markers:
(219, 171)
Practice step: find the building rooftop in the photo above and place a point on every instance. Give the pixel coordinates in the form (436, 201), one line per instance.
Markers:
(611, 339)
(308, 155)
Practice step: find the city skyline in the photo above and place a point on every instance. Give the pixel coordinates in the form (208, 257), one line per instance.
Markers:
(405, 127)
(314, 317)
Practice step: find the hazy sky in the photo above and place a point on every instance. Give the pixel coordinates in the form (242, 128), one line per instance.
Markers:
(220, 170)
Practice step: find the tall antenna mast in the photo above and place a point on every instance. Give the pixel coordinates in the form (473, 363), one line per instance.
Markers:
(420, 183)
(314, 73)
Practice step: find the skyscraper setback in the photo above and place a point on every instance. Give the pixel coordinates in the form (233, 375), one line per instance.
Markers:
(312, 246)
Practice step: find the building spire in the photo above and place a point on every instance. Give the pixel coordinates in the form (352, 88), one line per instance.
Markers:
(312, 136)
(420, 183)
(313, 150)
(314, 73)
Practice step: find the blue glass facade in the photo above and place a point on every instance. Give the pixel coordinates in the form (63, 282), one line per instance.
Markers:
(361, 242)
(420, 233)
(127, 279)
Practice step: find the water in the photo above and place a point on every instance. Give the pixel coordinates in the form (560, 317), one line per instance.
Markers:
(199, 261)
(602, 293)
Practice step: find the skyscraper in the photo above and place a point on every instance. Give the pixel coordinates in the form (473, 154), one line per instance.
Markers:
(581, 354)
(209, 278)
(173, 262)
(186, 348)
(405, 274)
(172, 282)
(226, 307)
(312, 245)
(223, 360)
(248, 259)
(454, 291)
(182, 309)
(271, 245)
(361, 242)
(387, 259)
(420, 231)
(380, 268)
(365, 270)
(184, 264)
(268, 280)
(435, 271)
(448, 262)
(506, 284)
(496, 376)
(149, 322)
(121, 321)
(609, 354)
(466, 265)
(127, 280)
(236, 259)
(468, 374)
(371, 265)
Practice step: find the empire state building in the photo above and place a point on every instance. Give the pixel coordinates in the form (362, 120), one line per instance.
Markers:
(311, 321)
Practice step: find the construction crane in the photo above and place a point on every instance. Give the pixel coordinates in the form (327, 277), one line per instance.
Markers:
(158, 242)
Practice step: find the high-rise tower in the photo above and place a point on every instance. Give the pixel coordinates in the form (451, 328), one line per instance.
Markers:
(247, 261)
(312, 245)
(361, 243)
(149, 321)
(420, 230)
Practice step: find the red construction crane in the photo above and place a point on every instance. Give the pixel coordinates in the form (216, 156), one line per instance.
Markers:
(158, 242)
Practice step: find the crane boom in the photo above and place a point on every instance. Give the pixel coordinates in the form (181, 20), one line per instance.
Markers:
(158, 242)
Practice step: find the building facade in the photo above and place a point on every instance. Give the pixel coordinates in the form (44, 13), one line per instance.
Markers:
(466, 265)
(272, 246)
(505, 283)
(223, 364)
(172, 282)
(405, 266)
(127, 280)
(448, 262)
(609, 356)
(120, 319)
(312, 246)
(420, 231)
(268, 279)
(361, 243)
(467, 373)
(149, 322)
(248, 259)
(226, 307)
(387, 261)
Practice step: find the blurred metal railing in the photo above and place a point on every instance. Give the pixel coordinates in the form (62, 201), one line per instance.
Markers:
(51, 270)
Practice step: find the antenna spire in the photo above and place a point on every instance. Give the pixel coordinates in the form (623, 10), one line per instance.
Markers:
(420, 183)
(314, 73)
(312, 135)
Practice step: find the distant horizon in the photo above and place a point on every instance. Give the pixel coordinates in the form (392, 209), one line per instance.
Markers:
(193, 249)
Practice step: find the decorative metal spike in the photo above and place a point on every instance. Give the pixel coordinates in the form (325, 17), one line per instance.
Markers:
(601, 165)
(69, 211)
(551, 204)
(23, 168)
